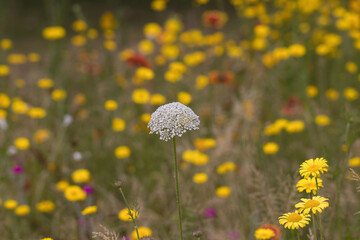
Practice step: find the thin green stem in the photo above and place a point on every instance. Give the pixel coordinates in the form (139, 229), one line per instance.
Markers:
(314, 225)
(298, 234)
(130, 213)
(177, 189)
(319, 218)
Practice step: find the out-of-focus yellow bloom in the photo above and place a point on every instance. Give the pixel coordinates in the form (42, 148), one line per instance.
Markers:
(351, 67)
(143, 232)
(16, 58)
(10, 204)
(45, 83)
(54, 33)
(110, 45)
(36, 113)
(158, 5)
(152, 30)
(122, 152)
(19, 106)
(78, 40)
(332, 94)
(173, 25)
(107, 21)
(354, 162)
(170, 51)
(157, 99)
(80, 99)
(62, 185)
(4, 100)
(22, 210)
(20, 83)
(295, 126)
(92, 33)
(322, 120)
(145, 117)
(202, 1)
(200, 178)
(124, 215)
(3, 114)
(4, 70)
(89, 210)
(141, 96)
(172, 76)
(201, 81)
(111, 105)
(5, 43)
(311, 91)
(41, 135)
(226, 167)
(81, 176)
(177, 67)
(270, 148)
(79, 26)
(193, 59)
(269, 60)
(184, 97)
(223, 191)
(351, 94)
(297, 50)
(202, 144)
(33, 57)
(22, 143)
(118, 124)
(144, 73)
(58, 94)
(146, 47)
(45, 206)
(196, 157)
(74, 193)
(261, 30)
(259, 44)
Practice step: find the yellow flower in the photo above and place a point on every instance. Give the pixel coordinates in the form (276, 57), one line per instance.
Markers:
(261, 30)
(294, 220)
(144, 73)
(4, 100)
(146, 47)
(20, 83)
(22, 210)
(351, 67)
(111, 105)
(271, 148)
(5, 43)
(107, 21)
(92, 33)
(201, 81)
(322, 120)
(297, 50)
(332, 94)
(170, 51)
(202, 1)
(145, 117)
(3, 114)
(203, 144)
(200, 178)
(157, 99)
(226, 167)
(53, 33)
(80, 99)
(141, 96)
(89, 210)
(184, 97)
(143, 232)
(158, 5)
(223, 191)
(16, 58)
(58, 94)
(110, 45)
(33, 57)
(122, 152)
(151, 30)
(74, 193)
(313, 167)
(45, 206)
(37, 113)
(123, 215)
(118, 124)
(78, 40)
(317, 204)
(10, 204)
(295, 126)
(46, 238)
(195, 157)
(311, 91)
(81, 176)
(62, 185)
(4, 70)
(177, 67)
(354, 162)
(309, 185)
(351, 94)
(79, 26)
(45, 83)
(20, 107)
(264, 233)
(22, 143)
(172, 76)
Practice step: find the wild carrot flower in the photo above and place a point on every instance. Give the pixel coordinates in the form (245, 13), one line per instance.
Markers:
(316, 204)
(294, 220)
(313, 167)
(173, 119)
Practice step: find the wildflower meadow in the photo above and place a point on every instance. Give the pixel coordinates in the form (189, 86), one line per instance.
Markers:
(180, 120)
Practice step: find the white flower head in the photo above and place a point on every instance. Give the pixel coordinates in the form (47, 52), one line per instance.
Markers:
(173, 119)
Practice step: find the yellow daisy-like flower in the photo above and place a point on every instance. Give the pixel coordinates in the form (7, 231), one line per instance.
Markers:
(124, 215)
(89, 210)
(294, 220)
(309, 185)
(264, 233)
(316, 204)
(313, 167)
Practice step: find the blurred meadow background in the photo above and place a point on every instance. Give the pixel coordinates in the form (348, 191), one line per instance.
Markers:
(274, 83)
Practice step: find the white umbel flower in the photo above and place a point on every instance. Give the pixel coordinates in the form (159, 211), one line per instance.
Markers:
(173, 119)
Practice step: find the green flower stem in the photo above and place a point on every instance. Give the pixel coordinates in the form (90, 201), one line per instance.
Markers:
(130, 213)
(177, 189)
(314, 225)
(298, 234)
(319, 218)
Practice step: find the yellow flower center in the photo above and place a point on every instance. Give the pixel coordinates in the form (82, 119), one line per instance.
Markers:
(310, 185)
(294, 217)
(313, 168)
(311, 203)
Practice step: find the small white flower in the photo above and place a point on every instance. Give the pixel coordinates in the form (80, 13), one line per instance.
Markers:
(173, 119)
(77, 156)
(11, 150)
(3, 124)
(68, 119)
